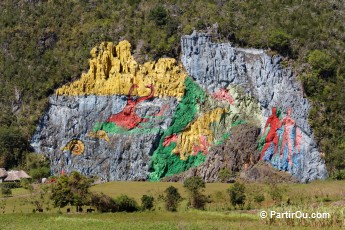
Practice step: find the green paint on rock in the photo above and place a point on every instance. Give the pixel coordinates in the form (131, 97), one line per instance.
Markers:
(163, 161)
(112, 128)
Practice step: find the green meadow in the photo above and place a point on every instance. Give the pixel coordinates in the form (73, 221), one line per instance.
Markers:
(17, 211)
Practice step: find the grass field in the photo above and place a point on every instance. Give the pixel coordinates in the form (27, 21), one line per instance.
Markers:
(320, 196)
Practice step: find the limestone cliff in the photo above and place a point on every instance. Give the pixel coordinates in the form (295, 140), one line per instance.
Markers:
(126, 121)
(287, 141)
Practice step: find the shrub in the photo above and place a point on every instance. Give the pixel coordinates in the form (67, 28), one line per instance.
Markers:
(6, 191)
(321, 62)
(280, 41)
(103, 203)
(194, 185)
(172, 198)
(159, 15)
(10, 185)
(259, 198)
(126, 204)
(276, 193)
(224, 174)
(339, 175)
(237, 194)
(147, 202)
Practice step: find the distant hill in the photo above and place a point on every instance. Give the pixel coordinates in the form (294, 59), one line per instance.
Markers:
(46, 44)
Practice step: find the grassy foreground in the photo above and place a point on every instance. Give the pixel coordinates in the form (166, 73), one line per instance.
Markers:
(319, 196)
(140, 220)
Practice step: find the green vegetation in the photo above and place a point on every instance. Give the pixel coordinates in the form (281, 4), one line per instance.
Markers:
(37, 165)
(224, 174)
(5, 191)
(320, 196)
(103, 203)
(126, 204)
(196, 198)
(73, 190)
(45, 44)
(237, 194)
(147, 202)
(172, 198)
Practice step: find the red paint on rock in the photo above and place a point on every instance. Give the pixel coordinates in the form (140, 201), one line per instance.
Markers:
(224, 95)
(203, 147)
(167, 140)
(127, 118)
(274, 123)
(288, 123)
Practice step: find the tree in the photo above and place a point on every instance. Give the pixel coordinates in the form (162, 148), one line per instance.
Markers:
(73, 190)
(103, 203)
(172, 198)
(126, 204)
(276, 192)
(147, 202)
(224, 174)
(280, 41)
(37, 165)
(322, 63)
(237, 194)
(194, 185)
(159, 15)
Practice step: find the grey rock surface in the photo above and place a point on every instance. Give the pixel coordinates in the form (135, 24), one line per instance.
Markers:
(123, 157)
(216, 66)
(236, 154)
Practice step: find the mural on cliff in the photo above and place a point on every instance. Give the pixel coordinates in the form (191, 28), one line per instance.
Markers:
(149, 121)
(281, 142)
(287, 141)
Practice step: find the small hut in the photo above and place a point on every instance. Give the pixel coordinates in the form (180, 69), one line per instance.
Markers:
(3, 174)
(12, 176)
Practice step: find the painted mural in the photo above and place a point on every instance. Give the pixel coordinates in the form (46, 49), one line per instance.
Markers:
(280, 144)
(199, 121)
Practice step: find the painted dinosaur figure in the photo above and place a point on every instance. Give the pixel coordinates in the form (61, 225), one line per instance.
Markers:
(127, 118)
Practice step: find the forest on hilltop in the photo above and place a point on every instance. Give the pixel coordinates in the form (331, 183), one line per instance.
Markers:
(46, 43)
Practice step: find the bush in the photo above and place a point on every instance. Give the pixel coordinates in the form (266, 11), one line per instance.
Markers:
(224, 175)
(259, 198)
(6, 191)
(237, 194)
(194, 185)
(126, 204)
(172, 198)
(103, 203)
(147, 202)
(280, 41)
(10, 185)
(159, 15)
(322, 63)
(276, 193)
(339, 175)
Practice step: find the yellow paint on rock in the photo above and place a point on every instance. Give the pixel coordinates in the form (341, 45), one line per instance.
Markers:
(113, 70)
(191, 134)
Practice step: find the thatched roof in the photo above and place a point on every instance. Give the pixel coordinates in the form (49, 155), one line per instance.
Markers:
(12, 176)
(23, 174)
(15, 175)
(3, 172)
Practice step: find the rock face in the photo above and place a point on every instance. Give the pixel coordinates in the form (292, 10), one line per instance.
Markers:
(287, 144)
(120, 155)
(126, 121)
(237, 153)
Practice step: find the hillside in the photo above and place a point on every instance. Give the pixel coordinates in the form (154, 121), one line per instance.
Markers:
(45, 44)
